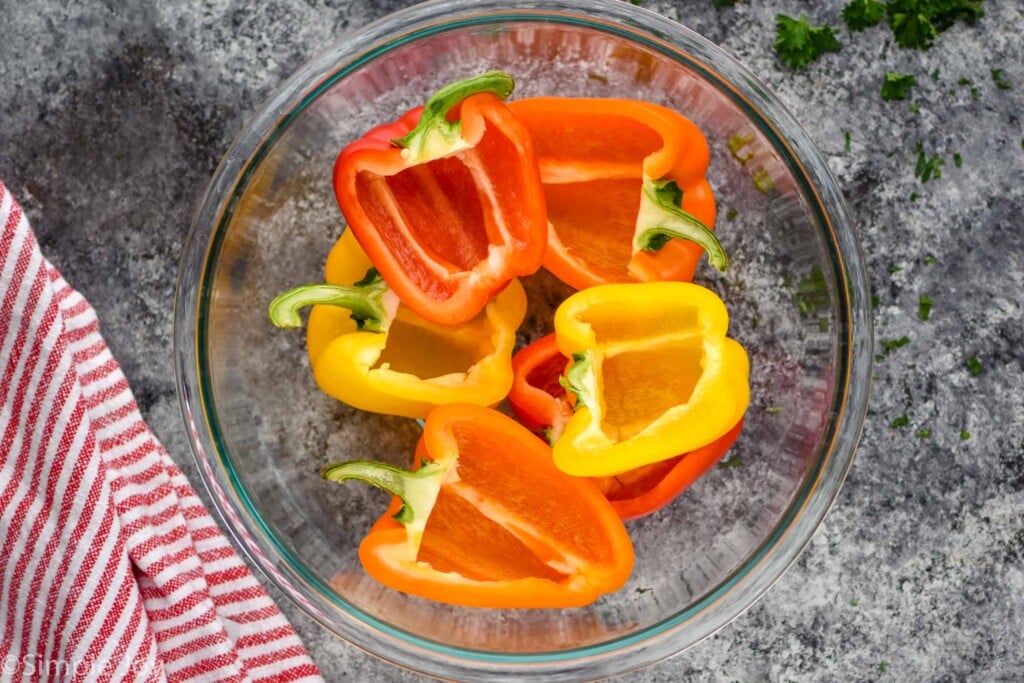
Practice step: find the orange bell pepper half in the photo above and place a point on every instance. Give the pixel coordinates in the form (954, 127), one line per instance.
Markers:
(486, 520)
(447, 201)
(625, 187)
(542, 404)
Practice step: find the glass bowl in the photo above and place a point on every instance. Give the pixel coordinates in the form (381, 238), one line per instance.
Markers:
(796, 290)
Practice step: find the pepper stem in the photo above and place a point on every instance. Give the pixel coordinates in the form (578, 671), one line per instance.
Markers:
(435, 136)
(418, 490)
(660, 211)
(371, 301)
(579, 381)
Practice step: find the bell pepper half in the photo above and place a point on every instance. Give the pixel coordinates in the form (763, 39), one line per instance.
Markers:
(653, 375)
(625, 190)
(542, 404)
(486, 520)
(447, 200)
(373, 353)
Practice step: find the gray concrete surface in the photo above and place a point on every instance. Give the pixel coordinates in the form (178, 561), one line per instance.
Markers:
(113, 116)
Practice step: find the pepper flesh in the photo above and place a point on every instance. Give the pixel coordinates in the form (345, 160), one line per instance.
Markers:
(414, 364)
(654, 375)
(492, 522)
(541, 403)
(600, 161)
(449, 211)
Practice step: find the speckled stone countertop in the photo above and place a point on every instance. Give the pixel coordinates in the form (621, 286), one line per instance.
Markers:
(113, 116)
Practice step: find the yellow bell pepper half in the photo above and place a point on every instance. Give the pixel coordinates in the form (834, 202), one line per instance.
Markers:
(389, 360)
(654, 375)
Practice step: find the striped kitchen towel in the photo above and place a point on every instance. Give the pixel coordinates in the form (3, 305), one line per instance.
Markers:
(111, 569)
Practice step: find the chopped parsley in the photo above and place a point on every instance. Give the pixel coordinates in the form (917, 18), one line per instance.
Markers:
(763, 181)
(915, 23)
(924, 307)
(731, 214)
(882, 666)
(798, 43)
(924, 433)
(738, 142)
(975, 93)
(958, 160)
(974, 365)
(964, 81)
(1001, 83)
(875, 301)
(929, 259)
(854, 602)
(862, 14)
(901, 421)
(897, 85)
(927, 167)
(893, 268)
(935, 75)
(734, 461)
(890, 345)
(846, 147)
(964, 435)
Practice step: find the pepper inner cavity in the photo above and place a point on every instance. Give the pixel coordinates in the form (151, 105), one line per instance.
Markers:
(426, 350)
(642, 384)
(441, 208)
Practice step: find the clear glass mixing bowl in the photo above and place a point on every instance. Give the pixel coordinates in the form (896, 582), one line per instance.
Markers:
(796, 291)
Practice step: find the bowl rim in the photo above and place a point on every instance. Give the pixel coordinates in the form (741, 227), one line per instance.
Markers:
(741, 589)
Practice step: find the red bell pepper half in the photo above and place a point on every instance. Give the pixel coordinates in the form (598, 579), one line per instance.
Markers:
(541, 403)
(447, 201)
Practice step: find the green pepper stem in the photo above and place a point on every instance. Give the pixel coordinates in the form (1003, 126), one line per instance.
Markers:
(371, 301)
(579, 381)
(418, 490)
(435, 136)
(663, 219)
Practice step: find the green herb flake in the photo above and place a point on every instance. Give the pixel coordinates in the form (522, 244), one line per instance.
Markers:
(762, 181)
(928, 167)
(923, 433)
(914, 196)
(975, 93)
(893, 268)
(999, 80)
(891, 345)
(755, 321)
(875, 301)
(924, 307)
(883, 666)
(723, 3)
(798, 43)
(773, 410)
(901, 421)
(914, 108)
(916, 23)
(958, 160)
(974, 365)
(738, 142)
(895, 86)
(964, 435)
(964, 81)
(929, 259)
(854, 602)
(935, 75)
(862, 14)
(846, 146)
(733, 462)
(731, 214)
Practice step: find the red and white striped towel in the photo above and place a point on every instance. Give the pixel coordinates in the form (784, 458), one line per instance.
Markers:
(111, 569)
